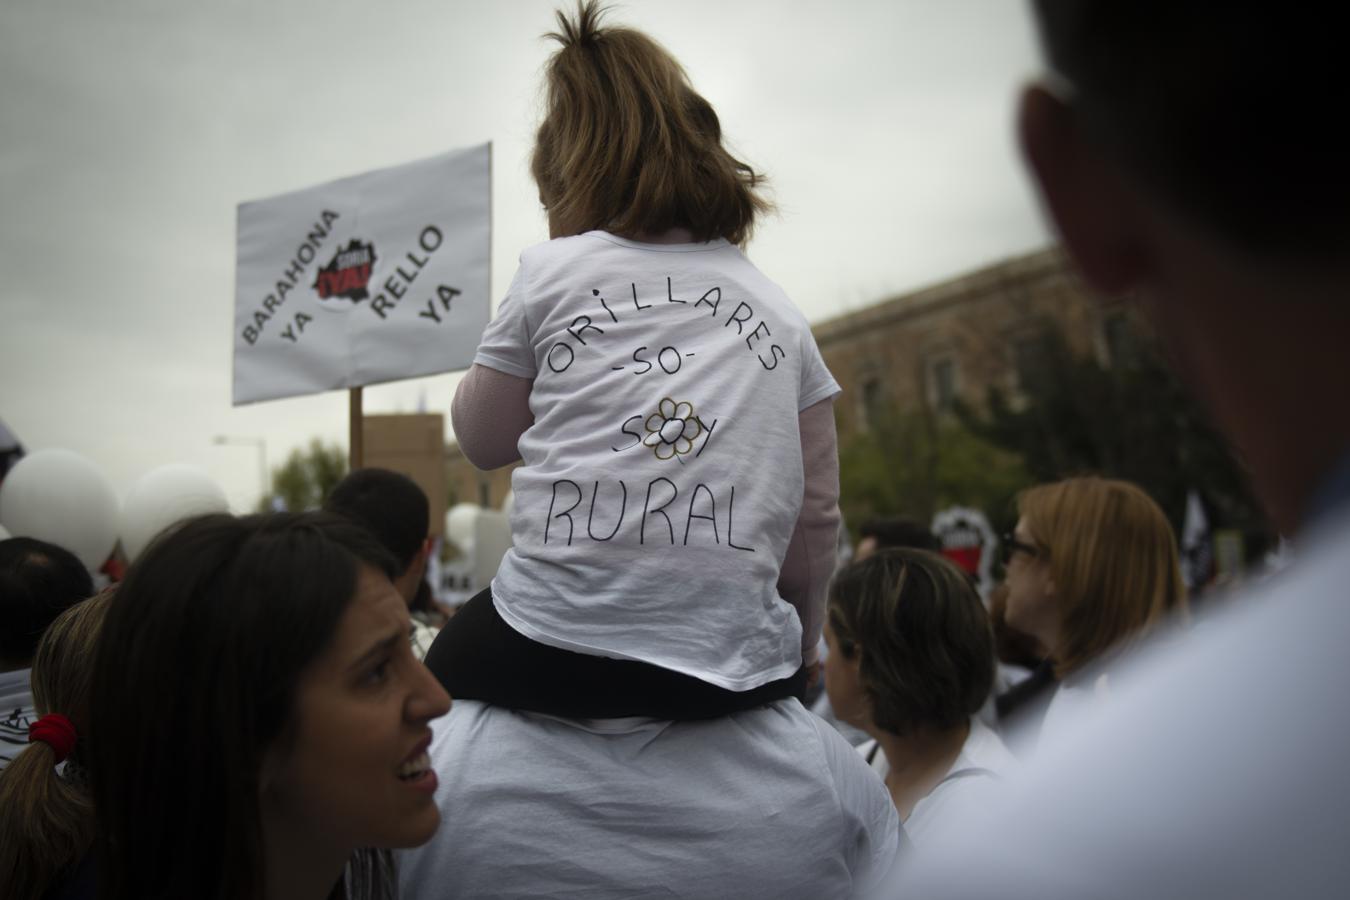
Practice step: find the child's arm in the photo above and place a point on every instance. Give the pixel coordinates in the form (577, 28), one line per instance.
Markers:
(490, 412)
(811, 553)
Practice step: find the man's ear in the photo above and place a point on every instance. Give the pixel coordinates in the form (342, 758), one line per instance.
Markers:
(1084, 191)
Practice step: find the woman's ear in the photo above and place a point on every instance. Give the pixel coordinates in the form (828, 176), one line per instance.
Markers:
(1083, 190)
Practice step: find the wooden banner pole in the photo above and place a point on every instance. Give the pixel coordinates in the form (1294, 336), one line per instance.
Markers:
(357, 437)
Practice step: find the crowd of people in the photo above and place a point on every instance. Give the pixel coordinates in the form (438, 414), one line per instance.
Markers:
(262, 707)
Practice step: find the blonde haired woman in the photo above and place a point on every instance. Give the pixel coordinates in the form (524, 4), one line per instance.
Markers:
(1092, 566)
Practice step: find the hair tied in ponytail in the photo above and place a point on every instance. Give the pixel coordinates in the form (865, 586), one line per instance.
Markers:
(55, 730)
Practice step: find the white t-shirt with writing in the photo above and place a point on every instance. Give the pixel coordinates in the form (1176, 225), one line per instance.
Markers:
(662, 477)
(767, 804)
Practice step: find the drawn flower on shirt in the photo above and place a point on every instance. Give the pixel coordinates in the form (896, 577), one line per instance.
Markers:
(672, 428)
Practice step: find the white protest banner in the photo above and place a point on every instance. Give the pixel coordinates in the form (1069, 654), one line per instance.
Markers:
(363, 280)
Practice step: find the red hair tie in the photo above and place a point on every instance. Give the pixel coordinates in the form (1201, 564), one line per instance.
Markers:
(56, 731)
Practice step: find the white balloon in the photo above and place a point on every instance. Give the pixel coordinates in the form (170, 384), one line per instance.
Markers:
(164, 496)
(460, 522)
(60, 497)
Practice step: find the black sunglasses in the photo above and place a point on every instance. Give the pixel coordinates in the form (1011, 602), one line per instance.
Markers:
(1012, 545)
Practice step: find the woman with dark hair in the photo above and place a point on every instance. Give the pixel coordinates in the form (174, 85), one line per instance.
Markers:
(46, 813)
(258, 716)
(911, 661)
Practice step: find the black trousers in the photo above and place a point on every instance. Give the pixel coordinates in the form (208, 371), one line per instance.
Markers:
(477, 656)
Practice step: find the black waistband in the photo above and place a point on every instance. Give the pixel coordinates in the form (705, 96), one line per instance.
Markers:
(478, 656)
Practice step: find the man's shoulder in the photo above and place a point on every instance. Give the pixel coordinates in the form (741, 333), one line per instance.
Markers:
(746, 805)
(1217, 767)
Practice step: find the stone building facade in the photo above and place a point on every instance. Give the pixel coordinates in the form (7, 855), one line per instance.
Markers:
(924, 350)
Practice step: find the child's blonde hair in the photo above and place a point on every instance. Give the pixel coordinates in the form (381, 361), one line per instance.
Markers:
(628, 146)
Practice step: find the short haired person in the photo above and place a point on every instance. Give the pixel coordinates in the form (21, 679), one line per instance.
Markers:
(1193, 157)
(396, 510)
(259, 721)
(38, 582)
(873, 535)
(911, 662)
(1092, 566)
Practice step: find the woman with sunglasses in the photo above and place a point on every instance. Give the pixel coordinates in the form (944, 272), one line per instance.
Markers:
(1091, 566)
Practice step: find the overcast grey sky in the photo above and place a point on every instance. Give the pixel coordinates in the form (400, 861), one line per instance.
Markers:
(130, 131)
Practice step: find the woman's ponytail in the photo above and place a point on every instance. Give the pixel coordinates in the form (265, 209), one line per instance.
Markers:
(46, 822)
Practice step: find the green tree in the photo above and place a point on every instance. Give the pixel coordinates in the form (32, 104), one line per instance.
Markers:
(1133, 421)
(305, 479)
(915, 464)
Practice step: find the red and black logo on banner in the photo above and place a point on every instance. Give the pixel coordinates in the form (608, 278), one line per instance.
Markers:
(347, 273)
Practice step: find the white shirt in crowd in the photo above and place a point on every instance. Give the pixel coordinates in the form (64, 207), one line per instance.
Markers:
(1217, 769)
(769, 804)
(662, 477)
(1073, 699)
(16, 713)
(971, 778)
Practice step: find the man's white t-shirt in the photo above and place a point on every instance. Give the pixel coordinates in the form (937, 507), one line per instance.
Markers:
(768, 804)
(1074, 699)
(982, 762)
(662, 477)
(1217, 769)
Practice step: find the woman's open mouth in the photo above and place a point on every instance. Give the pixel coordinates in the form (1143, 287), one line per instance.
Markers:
(415, 768)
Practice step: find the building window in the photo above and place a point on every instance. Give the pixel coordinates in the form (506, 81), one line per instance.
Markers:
(1031, 361)
(1122, 347)
(873, 403)
(942, 385)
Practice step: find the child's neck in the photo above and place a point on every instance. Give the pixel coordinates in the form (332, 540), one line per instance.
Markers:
(673, 236)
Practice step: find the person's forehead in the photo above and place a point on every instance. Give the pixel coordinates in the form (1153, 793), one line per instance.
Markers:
(376, 609)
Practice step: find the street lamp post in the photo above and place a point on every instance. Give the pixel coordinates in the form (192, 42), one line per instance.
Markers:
(261, 444)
